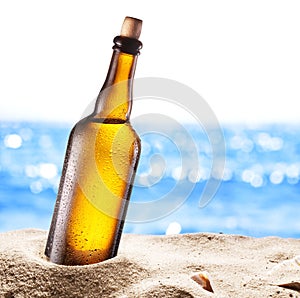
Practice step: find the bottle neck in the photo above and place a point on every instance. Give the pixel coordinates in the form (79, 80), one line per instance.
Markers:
(115, 98)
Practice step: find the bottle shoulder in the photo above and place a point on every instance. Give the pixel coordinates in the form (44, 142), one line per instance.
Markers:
(110, 128)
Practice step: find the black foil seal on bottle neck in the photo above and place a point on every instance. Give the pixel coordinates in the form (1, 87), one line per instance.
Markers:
(127, 45)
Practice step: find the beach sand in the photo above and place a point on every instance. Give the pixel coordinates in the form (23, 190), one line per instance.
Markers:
(155, 266)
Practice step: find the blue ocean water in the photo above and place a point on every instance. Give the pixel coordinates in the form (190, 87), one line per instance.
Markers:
(259, 194)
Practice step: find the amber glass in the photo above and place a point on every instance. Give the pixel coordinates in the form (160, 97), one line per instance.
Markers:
(99, 168)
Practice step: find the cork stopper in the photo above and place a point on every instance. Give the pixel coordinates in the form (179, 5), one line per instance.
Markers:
(132, 28)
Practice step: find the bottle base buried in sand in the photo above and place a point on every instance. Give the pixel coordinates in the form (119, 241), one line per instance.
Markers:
(100, 164)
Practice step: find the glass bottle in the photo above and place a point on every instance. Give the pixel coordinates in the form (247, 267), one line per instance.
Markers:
(99, 168)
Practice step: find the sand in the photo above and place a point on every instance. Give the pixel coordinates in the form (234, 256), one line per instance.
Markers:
(155, 266)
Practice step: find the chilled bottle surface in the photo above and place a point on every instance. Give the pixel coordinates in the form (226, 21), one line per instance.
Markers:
(99, 170)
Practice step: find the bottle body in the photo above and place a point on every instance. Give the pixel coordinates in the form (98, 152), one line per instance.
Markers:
(95, 187)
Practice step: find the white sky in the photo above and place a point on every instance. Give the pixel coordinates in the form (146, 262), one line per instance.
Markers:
(243, 57)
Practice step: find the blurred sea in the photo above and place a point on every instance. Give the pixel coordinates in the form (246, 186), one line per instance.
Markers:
(259, 194)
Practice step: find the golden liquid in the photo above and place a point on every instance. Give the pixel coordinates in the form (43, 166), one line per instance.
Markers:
(100, 165)
(98, 173)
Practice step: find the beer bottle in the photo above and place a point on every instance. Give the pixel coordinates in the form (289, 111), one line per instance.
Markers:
(100, 163)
